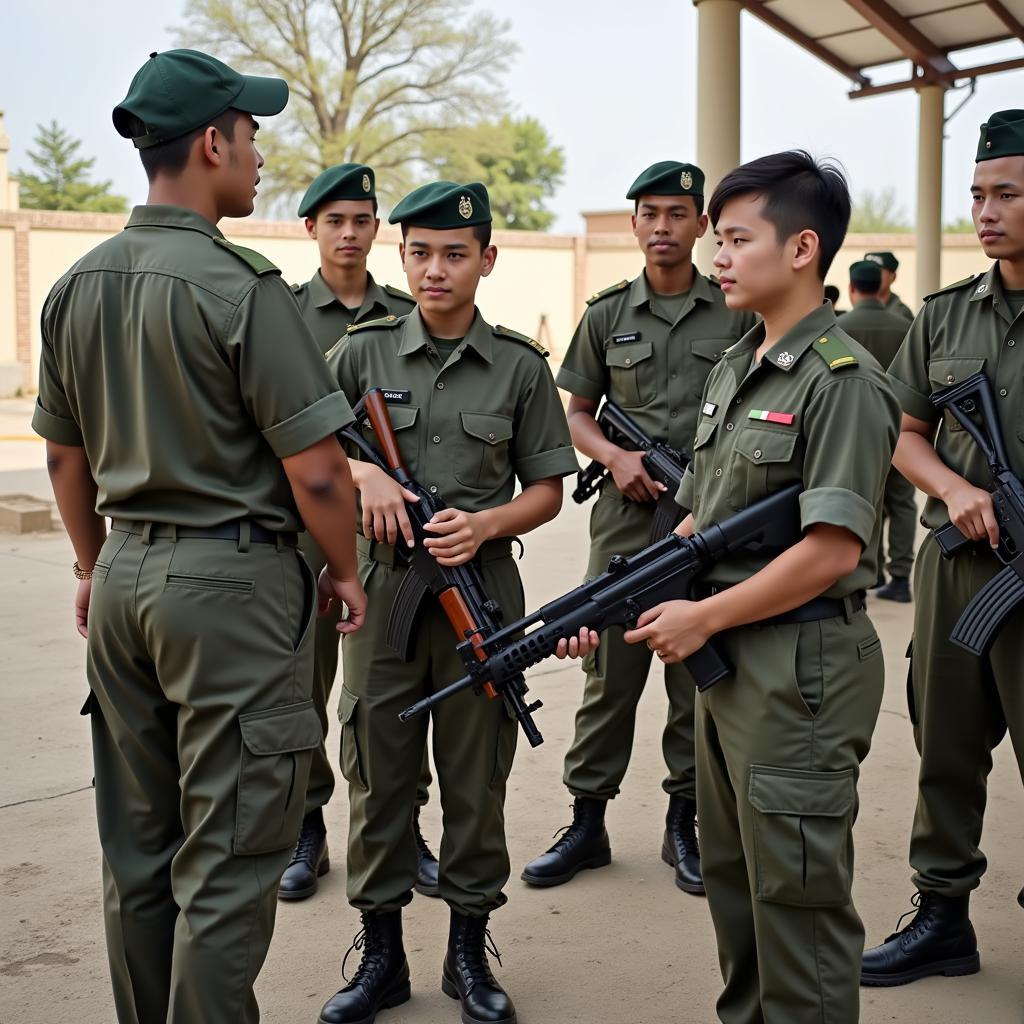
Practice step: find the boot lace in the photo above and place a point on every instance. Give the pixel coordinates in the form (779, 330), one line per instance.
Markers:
(567, 835)
(922, 905)
(372, 961)
(475, 969)
(421, 844)
(306, 847)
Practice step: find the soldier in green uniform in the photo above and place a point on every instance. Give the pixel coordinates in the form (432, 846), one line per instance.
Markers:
(882, 333)
(892, 302)
(780, 740)
(961, 705)
(474, 408)
(340, 211)
(647, 345)
(208, 443)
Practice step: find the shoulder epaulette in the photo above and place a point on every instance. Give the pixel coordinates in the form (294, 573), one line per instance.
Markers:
(956, 286)
(834, 352)
(399, 294)
(507, 332)
(382, 322)
(257, 261)
(605, 292)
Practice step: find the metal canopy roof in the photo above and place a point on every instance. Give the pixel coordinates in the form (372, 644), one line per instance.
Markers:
(853, 35)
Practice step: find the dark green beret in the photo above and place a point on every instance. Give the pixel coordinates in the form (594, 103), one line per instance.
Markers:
(177, 91)
(1002, 135)
(886, 260)
(668, 178)
(343, 181)
(444, 205)
(866, 272)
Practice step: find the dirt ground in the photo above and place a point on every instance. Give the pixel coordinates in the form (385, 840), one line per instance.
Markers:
(616, 946)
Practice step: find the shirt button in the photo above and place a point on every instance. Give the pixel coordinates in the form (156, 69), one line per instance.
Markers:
(440, 385)
(433, 489)
(738, 401)
(730, 426)
(628, 361)
(950, 379)
(490, 437)
(718, 472)
(1011, 343)
(674, 375)
(673, 414)
(757, 454)
(1003, 392)
(437, 440)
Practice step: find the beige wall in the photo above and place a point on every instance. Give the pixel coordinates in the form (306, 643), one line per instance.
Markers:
(537, 275)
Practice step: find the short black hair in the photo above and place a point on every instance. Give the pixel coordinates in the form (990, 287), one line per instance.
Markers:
(867, 287)
(698, 201)
(481, 232)
(170, 157)
(832, 293)
(799, 192)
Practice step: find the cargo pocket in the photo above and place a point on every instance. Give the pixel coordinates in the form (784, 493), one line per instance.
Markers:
(310, 589)
(272, 777)
(632, 374)
(911, 703)
(504, 747)
(802, 822)
(761, 465)
(351, 755)
(483, 453)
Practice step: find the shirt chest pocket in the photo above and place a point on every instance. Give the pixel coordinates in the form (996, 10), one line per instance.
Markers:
(402, 418)
(708, 351)
(632, 373)
(764, 461)
(944, 373)
(483, 459)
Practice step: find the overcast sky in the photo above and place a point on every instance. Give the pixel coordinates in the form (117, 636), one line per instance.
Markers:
(616, 94)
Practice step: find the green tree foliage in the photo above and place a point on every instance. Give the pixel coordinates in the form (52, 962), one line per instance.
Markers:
(514, 158)
(878, 213)
(960, 226)
(371, 81)
(59, 179)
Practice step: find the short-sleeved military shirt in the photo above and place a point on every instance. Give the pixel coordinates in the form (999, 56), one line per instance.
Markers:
(182, 364)
(328, 319)
(468, 429)
(964, 329)
(627, 349)
(818, 411)
(878, 330)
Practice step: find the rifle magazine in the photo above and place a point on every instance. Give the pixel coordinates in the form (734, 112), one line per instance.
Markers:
(983, 617)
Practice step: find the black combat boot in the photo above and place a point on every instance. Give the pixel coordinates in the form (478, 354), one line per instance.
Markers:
(583, 844)
(426, 862)
(466, 975)
(940, 939)
(679, 847)
(382, 978)
(897, 589)
(310, 860)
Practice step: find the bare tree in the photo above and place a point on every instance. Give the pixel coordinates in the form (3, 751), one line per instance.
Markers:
(878, 213)
(371, 80)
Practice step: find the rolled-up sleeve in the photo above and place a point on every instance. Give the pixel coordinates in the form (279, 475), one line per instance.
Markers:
(543, 447)
(908, 372)
(53, 417)
(583, 371)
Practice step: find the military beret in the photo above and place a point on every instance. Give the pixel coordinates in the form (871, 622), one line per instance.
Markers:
(886, 260)
(444, 205)
(866, 272)
(1002, 135)
(177, 91)
(668, 178)
(343, 181)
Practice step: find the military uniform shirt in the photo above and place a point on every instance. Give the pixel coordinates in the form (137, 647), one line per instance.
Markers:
(894, 304)
(964, 329)
(654, 368)
(182, 364)
(878, 330)
(328, 319)
(838, 444)
(469, 428)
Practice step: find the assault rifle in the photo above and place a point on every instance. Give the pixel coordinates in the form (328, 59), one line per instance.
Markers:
(459, 589)
(663, 463)
(973, 405)
(664, 571)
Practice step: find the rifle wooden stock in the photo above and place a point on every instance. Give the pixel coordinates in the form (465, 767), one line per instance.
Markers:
(377, 413)
(459, 615)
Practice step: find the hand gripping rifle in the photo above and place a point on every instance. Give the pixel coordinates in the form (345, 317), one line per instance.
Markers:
(665, 571)
(459, 589)
(973, 405)
(663, 463)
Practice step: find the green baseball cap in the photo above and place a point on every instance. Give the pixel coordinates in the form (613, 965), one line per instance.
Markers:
(668, 178)
(866, 273)
(886, 260)
(343, 181)
(177, 91)
(1002, 135)
(444, 205)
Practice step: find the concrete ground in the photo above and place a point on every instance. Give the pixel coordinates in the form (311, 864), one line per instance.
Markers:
(615, 946)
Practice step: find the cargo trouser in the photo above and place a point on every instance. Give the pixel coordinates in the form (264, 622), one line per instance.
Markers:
(325, 667)
(961, 707)
(616, 675)
(899, 507)
(779, 744)
(199, 665)
(474, 741)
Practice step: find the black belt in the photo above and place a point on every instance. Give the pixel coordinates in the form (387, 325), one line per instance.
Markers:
(225, 531)
(813, 611)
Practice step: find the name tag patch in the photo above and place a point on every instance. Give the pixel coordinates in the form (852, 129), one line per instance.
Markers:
(709, 409)
(397, 397)
(768, 416)
(622, 339)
